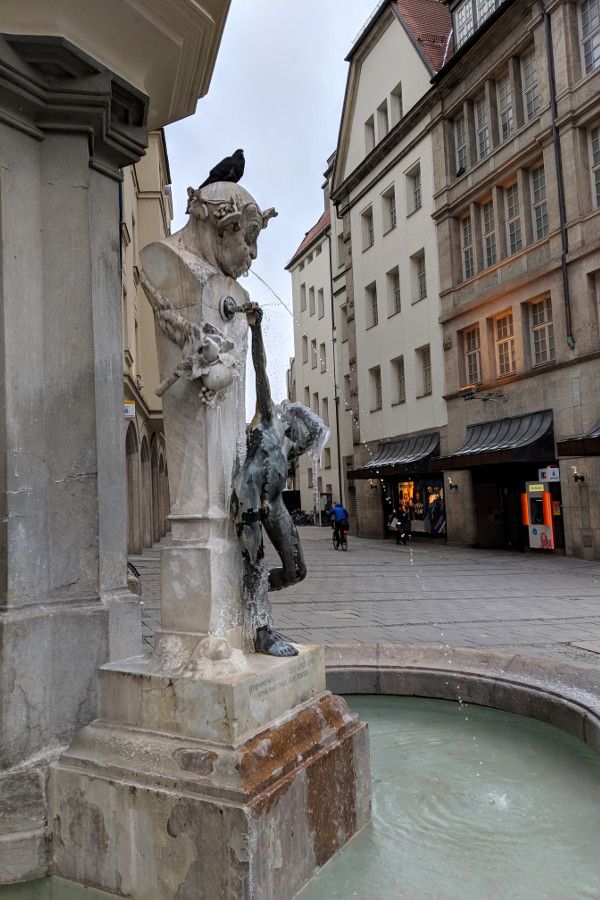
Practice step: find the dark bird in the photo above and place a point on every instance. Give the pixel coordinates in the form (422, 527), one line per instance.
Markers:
(229, 169)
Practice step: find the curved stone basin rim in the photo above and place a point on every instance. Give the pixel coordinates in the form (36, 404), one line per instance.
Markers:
(565, 696)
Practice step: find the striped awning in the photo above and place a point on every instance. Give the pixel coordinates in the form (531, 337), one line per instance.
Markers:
(403, 452)
(515, 439)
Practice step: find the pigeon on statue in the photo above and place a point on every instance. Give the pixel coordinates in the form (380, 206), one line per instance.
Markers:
(229, 169)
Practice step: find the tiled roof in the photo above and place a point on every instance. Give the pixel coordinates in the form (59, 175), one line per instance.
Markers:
(311, 236)
(429, 22)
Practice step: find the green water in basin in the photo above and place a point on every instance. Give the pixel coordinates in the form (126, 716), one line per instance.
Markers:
(470, 804)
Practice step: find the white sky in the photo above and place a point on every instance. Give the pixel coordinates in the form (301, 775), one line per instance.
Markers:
(277, 91)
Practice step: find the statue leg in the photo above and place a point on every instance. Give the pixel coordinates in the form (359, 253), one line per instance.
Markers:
(283, 534)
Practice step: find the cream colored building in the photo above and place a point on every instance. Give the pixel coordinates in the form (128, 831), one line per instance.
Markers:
(312, 376)
(385, 269)
(517, 204)
(146, 216)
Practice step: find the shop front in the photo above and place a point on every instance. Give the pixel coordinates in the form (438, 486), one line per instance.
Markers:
(409, 482)
(504, 485)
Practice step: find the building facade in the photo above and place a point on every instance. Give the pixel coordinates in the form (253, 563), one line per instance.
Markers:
(146, 214)
(517, 197)
(312, 375)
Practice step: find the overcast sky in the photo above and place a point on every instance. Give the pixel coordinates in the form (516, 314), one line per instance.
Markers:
(277, 91)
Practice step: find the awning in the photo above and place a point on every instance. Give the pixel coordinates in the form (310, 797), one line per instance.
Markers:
(584, 445)
(527, 438)
(397, 457)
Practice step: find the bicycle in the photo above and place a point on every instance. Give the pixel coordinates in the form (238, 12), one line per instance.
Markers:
(340, 539)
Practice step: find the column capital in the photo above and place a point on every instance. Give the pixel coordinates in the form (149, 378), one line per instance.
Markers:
(47, 84)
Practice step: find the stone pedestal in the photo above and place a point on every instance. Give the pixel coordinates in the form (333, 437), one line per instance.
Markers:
(240, 785)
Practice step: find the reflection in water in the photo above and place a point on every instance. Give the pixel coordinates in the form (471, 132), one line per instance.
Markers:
(470, 803)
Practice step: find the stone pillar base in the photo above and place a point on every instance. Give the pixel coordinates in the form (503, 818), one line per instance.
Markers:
(188, 788)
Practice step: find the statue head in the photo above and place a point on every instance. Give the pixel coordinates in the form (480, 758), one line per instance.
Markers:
(304, 429)
(226, 222)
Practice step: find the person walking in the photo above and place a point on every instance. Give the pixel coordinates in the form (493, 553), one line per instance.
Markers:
(339, 518)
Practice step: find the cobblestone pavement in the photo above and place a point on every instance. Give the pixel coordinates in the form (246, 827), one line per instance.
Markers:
(429, 593)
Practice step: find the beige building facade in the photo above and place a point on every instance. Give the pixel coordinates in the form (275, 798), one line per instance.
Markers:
(517, 196)
(385, 271)
(146, 214)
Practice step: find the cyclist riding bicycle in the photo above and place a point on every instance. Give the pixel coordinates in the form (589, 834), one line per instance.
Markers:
(339, 519)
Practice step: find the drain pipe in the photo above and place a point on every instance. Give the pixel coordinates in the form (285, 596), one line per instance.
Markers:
(336, 399)
(559, 175)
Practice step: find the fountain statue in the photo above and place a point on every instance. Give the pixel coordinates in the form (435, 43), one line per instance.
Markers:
(219, 764)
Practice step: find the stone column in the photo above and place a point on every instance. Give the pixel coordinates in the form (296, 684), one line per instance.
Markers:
(67, 126)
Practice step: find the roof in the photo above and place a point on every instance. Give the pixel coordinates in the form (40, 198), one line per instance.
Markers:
(505, 434)
(311, 236)
(527, 438)
(403, 452)
(587, 444)
(429, 23)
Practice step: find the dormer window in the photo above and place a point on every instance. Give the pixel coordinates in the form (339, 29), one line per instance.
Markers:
(469, 15)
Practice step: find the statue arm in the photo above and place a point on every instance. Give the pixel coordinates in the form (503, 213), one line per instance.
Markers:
(264, 402)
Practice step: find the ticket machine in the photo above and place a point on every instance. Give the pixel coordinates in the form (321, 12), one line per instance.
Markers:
(537, 514)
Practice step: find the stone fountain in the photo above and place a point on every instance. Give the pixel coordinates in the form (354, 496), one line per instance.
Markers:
(214, 770)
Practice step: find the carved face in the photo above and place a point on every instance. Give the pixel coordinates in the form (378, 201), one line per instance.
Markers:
(235, 248)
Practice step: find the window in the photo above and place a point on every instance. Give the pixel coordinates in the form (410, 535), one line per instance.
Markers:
(320, 303)
(467, 247)
(542, 332)
(505, 344)
(482, 127)
(315, 403)
(313, 354)
(323, 357)
(398, 380)
(307, 396)
(344, 322)
(318, 250)
(595, 135)
(304, 349)
(396, 103)
(310, 480)
(460, 144)
(463, 21)
(414, 189)
(327, 458)
(325, 410)
(341, 250)
(369, 134)
(590, 34)
(472, 345)
(393, 288)
(383, 120)
(375, 379)
(489, 233)
(311, 301)
(539, 203)
(419, 276)
(371, 304)
(368, 232)
(424, 357)
(347, 392)
(531, 88)
(469, 15)
(513, 219)
(389, 209)
(302, 297)
(505, 107)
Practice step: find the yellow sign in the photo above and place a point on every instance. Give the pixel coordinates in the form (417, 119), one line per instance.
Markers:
(536, 488)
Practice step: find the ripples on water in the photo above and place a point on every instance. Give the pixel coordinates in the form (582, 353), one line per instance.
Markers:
(470, 804)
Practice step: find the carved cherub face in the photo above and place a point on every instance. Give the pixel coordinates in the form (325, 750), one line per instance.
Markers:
(235, 248)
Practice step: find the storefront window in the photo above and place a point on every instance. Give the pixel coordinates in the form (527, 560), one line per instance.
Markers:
(423, 502)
